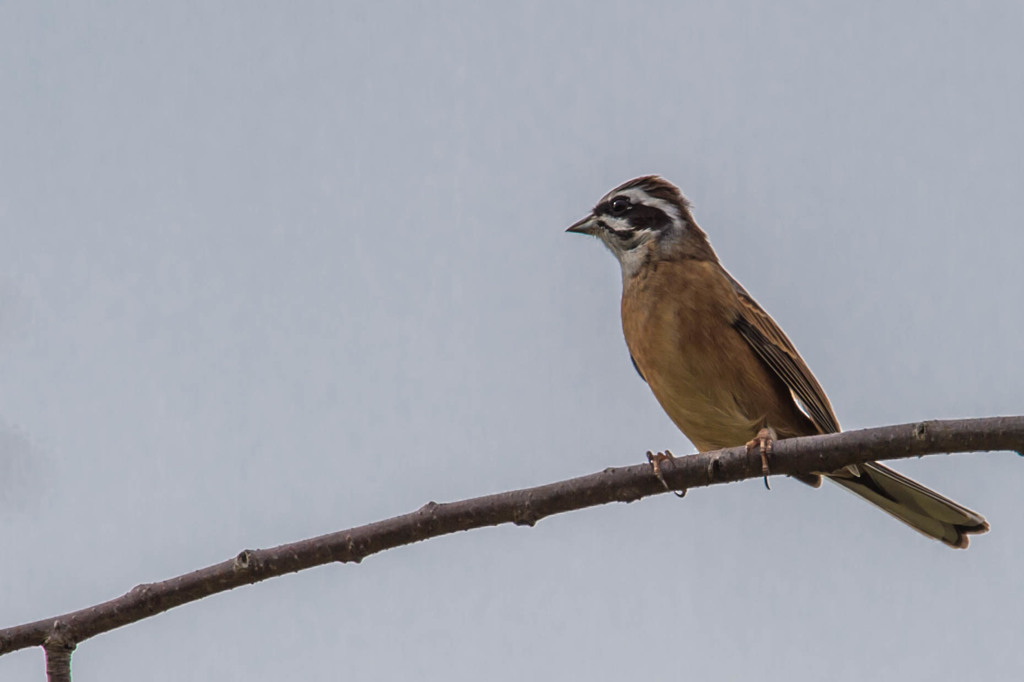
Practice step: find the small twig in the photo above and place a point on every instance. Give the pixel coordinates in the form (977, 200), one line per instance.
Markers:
(58, 649)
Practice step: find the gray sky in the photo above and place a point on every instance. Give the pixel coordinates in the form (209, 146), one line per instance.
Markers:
(270, 271)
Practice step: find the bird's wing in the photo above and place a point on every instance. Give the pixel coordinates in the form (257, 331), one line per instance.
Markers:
(771, 345)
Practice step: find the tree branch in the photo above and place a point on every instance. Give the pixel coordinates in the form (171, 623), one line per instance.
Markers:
(60, 634)
(58, 657)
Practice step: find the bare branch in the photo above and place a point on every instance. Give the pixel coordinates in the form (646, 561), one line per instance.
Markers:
(523, 507)
(58, 660)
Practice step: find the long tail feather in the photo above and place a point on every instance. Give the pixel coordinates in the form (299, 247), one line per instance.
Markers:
(920, 508)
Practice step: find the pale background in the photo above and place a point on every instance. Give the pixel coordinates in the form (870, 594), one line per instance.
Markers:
(272, 270)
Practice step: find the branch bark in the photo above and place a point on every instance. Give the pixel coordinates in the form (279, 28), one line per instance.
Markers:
(58, 660)
(59, 635)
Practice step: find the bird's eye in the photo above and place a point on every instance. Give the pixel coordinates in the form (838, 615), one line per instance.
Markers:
(619, 205)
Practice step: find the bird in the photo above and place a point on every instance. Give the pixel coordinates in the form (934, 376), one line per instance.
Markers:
(720, 367)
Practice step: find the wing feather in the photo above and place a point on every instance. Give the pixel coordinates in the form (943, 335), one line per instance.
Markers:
(775, 349)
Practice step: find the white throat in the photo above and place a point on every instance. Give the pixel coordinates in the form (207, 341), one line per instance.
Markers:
(631, 261)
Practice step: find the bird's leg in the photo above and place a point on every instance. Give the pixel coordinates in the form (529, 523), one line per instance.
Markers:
(763, 441)
(656, 460)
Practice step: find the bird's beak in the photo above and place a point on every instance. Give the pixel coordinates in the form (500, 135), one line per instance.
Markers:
(586, 226)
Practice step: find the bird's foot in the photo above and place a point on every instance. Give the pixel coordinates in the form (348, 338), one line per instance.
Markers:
(656, 460)
(763, 442)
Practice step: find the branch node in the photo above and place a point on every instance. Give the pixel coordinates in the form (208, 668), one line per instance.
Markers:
(140, 592)
(350, 549)
(244, 561)
(57, 647)
(525, 516)
(713, 466)
(921, 431)
(59, 637)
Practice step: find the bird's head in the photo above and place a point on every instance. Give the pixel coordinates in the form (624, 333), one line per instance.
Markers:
(643, 221)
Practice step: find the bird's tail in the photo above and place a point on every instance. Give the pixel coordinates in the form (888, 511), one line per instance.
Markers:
(922, 509)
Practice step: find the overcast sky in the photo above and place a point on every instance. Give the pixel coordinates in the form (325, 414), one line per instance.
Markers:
(273, 270)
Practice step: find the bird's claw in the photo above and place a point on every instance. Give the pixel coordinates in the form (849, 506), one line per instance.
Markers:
(763, 442)
(656, 460)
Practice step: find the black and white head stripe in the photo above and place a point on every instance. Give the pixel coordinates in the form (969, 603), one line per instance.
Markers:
(643, 204)
(642, 220)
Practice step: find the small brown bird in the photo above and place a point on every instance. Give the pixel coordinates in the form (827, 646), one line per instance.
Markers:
(719, 365)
